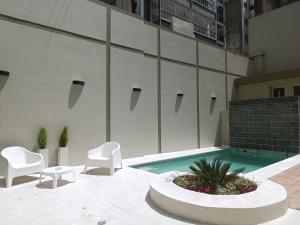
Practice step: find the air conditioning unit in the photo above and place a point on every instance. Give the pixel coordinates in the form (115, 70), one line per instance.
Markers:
(183, 27)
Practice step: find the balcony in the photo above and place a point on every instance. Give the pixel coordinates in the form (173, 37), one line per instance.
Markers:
(207, 4)
(203, 25)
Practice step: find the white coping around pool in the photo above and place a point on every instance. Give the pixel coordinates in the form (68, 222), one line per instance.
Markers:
(263, 173)
(267, 202)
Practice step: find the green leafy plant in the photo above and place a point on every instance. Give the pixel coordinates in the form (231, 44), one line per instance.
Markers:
(215, 173)
(42, 138)
(63, 140)
(215, 178)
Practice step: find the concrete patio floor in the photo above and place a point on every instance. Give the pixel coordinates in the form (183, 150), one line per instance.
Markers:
(92, 200)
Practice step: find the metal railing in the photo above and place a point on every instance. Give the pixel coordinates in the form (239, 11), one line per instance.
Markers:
(166, 9)
(203, 25)
(210, 5)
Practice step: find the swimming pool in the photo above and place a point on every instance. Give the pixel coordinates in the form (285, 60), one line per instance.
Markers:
(251, 160)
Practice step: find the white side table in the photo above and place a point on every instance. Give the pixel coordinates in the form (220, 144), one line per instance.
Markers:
(56, 173)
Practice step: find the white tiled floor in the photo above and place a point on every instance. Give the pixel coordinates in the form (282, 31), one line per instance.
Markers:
(118, 200)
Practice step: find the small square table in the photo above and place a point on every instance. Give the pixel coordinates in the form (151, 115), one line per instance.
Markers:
(56, 173)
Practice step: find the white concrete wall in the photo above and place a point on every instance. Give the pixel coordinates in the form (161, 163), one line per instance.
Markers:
(211, 84)
(77, 16)
(231, 92)
(211, 57)
(262, 89)
(150, 39)
(127, 30)
(134, 115)
(178, 115)
(39, 91)
(177, 47)
(277, 35)
(43, 62)
(237, 64)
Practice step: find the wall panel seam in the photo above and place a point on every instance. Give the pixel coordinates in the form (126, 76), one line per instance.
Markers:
(108, 74)
(159, 90)
(198, 93)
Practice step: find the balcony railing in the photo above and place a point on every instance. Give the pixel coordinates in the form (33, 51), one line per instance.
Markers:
(210, 5)
(203, 25)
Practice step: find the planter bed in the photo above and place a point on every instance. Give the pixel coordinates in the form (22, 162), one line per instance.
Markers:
(267, 202)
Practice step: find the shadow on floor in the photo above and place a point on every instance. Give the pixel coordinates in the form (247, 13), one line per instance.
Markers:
(48, 184)
(18, 181)
(99, 172)
(155, 208)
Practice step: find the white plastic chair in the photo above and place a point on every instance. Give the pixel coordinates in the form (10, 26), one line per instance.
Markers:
(18, 161)
(107, 155)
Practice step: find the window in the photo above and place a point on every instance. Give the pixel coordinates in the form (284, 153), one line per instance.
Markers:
(278, 92)
(220, 14)
(296, 90)
(220, 33)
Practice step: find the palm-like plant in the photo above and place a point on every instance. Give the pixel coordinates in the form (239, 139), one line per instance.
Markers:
(215, 173)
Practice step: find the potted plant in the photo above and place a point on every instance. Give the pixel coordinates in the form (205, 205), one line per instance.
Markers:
(63, 150)
(42, 144)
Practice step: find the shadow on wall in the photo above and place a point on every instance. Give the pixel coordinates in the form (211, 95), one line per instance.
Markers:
(3, 80)
(212, 104)
(218, 139)
(135, 95)
(74, 94)
(178, 102)
(256, 64)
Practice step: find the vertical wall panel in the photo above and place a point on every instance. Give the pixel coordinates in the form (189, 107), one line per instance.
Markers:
(211, 84)
(179, 115)
(238, 64)
(211, 57)
(230, 87)
(127, 30)
(177, 47)
(150, 39)
(133, 113)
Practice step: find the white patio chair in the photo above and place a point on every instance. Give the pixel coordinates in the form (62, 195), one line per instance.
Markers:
(107, 155)
(18, 161)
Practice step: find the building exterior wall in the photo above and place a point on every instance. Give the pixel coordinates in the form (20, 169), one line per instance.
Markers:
(276, 34)
(211, 84)
(133, 114)
(45, 45)
(234, 24)
(262, 89)
(178, 114)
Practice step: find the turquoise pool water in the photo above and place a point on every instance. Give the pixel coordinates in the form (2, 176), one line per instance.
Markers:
(251, 160)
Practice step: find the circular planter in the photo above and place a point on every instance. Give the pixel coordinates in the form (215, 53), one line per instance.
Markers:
(267, 202)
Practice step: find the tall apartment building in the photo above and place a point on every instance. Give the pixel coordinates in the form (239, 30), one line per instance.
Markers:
(237, 25)
(203, 19)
